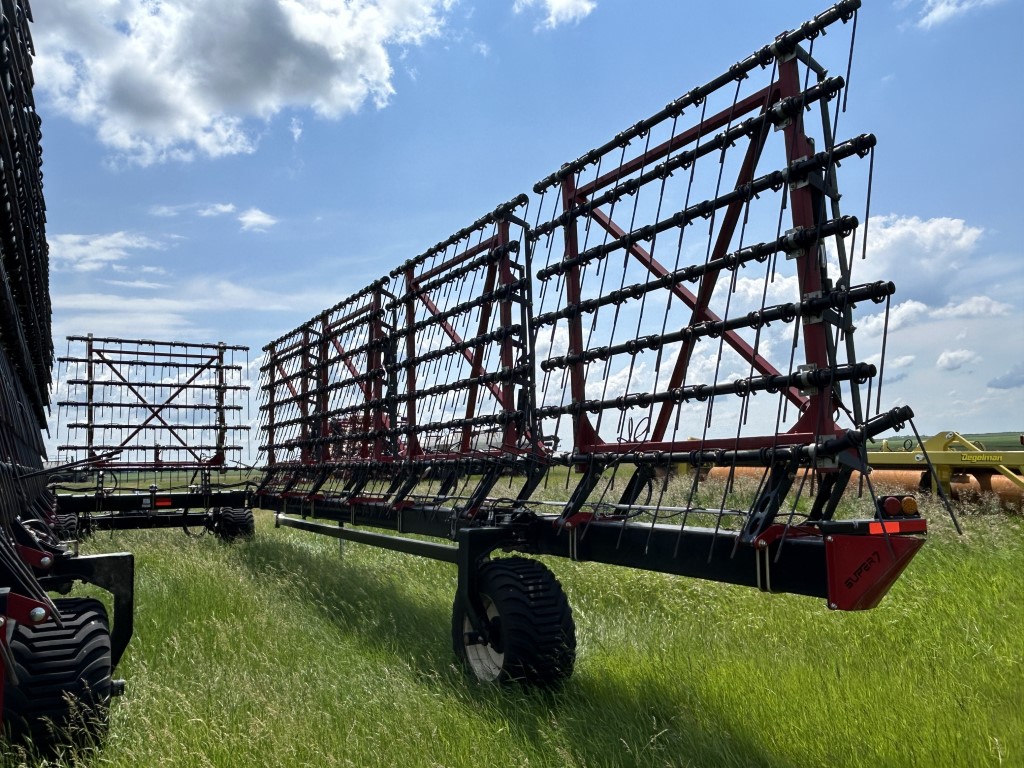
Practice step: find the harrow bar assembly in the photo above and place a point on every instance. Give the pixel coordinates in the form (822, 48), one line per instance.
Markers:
(141, 404)
(151, 430)
(683, 299)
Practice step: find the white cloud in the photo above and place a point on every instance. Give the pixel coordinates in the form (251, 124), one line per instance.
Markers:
(217, 209)
(935, 261)
(900, 316)
(558, 11)
(255, 220)
(931, 244)
(89, 253)
(141, 284)
(912, 312)
(935, 12)
(975, 306)
(891, 362)
(954, 359)
(784, 288)
(483, 49)
(626, 380)
(168, 211)
(148, 270)
(173, 312)
(896, 368)
(171, 80)
(295, 128)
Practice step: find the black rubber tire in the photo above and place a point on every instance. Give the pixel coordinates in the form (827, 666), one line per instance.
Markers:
(233, 523)
(532, 633)
(66, 527)
(63, 692)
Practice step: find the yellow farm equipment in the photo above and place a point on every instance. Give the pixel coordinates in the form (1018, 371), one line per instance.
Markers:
(948, 460)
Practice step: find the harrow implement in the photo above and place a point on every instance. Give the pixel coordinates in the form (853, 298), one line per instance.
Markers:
(153, 436)
(556, 379)
(683, 299)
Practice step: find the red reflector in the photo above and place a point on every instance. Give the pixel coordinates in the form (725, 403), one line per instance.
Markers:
(163, 502)
(917, 525)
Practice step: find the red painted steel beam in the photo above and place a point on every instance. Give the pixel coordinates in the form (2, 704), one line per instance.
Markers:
(584, 432)
(413, 449)
(818, 411)
(738, 343)
(444, 325)
(483, 246)
(753, 102)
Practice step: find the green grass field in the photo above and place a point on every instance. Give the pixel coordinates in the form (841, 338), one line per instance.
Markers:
(284, 651)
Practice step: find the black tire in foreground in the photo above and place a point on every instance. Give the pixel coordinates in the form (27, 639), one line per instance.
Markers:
(531, 633)
(64, 687)
(232, 523)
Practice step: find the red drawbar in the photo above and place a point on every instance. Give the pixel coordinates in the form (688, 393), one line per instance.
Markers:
(862, 568)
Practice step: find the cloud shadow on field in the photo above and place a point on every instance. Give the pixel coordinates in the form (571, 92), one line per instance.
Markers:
(359, 600)
(638, 717)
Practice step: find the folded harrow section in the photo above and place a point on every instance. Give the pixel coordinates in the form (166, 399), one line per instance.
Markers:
(152, 432)
(684, 299)
(403, 405)
(51, 674)
(695, 291)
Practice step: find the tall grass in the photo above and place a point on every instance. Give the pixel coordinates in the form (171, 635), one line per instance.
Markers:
(285, 651)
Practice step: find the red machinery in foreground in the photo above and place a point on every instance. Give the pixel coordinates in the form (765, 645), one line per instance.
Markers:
(57, 654)
(683, 298)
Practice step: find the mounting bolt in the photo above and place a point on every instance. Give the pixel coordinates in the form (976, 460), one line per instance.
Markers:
(45, 562)
(833, 607)
(828, 539)
(3, 620)
(36, 615)
(761, 543)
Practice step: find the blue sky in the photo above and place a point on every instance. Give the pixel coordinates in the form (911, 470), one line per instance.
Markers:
(224, 171)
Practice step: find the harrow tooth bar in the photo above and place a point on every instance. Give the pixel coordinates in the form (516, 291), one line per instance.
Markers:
(785, 45)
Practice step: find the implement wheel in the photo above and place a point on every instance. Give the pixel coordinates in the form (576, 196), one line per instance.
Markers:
(66, 527)
(531, 636)
(63, 691)
(230, 524)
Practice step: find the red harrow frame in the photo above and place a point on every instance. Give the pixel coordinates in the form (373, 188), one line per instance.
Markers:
(635, 322)
(153, 433)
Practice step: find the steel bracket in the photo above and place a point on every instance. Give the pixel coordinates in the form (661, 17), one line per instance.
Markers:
(113, 572)
(475, 546)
